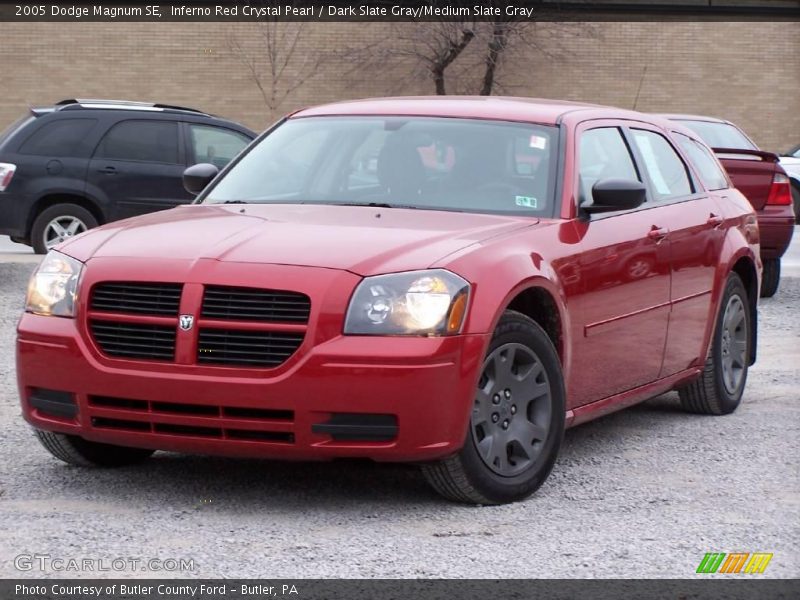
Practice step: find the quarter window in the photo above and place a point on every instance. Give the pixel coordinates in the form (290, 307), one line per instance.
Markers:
(711, 174)
(146, 141)
(215, 145)
(603, 155)
(665, 169)
(58, 138)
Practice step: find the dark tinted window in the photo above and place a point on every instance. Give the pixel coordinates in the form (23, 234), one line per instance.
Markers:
(664, 167)
(148, 141)
(603, 155)
(710, 172)
(720, 135)
(15, 126)
(215, 145)
(58, 138)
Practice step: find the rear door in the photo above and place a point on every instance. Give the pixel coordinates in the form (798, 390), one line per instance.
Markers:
(622, 278)
(138, 166)
(695, 235)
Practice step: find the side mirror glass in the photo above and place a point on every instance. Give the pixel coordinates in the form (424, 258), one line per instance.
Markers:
(197, 177)
(609, 195)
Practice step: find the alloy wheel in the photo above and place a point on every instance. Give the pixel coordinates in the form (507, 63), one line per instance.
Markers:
(61, 229)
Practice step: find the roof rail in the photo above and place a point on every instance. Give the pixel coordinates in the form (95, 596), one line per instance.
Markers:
(100, 103)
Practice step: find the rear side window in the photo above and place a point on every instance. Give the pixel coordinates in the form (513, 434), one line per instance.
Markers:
(665, 169)
(58, 138)
(145, 141)
(15, 126)
(708, 168)
(603, 155)
(215, 145)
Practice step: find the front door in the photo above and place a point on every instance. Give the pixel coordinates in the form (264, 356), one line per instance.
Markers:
(622, 304)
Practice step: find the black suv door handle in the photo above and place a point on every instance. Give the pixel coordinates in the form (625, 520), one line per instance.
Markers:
(108, 170)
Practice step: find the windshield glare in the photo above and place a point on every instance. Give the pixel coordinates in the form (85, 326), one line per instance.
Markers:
(419, 162)
(720, 135)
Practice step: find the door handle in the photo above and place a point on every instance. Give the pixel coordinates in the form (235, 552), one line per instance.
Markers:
(108, 170)
(715, 220)
(658, 233)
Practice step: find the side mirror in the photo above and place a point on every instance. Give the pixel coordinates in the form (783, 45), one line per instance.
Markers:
(609, 195)
(197, 177)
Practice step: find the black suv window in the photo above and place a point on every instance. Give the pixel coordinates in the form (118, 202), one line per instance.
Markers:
(58, 138)
(147, 141)
(215, 145)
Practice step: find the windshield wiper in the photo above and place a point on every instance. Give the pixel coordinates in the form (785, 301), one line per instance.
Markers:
(375, 204)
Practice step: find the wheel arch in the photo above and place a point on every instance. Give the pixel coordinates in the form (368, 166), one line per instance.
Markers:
(53, 198)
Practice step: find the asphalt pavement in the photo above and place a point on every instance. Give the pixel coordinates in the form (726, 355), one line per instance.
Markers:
(645, 492)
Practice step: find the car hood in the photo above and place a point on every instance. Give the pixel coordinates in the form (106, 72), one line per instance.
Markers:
(362, 240)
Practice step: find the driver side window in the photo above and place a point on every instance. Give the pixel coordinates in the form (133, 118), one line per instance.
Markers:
(603, 154)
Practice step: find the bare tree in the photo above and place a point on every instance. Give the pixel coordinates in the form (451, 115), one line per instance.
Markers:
(463, 56)
(269, 50)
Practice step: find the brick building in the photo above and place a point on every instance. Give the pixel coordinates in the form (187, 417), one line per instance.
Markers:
(748, 72)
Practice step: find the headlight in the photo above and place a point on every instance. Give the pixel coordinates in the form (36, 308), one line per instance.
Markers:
(414, 303)
(53, 286)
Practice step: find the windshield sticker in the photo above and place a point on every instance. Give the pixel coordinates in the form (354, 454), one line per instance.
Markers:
(538, 141)
(527, 201)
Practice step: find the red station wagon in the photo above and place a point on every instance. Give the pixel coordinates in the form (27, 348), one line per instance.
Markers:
(445, 281)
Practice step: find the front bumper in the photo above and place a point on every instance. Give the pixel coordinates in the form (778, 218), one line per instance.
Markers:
(776, 226)
(427, 384)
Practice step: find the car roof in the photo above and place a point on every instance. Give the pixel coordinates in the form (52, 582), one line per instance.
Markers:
(534, 110)
(681, 117)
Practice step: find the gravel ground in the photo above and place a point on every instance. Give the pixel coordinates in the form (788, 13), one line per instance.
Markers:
(641, 493)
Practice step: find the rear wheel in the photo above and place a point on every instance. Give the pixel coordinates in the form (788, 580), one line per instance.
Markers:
(718, 390)
(771, 277)
(83, 453)
(58, 223)
(517, 421)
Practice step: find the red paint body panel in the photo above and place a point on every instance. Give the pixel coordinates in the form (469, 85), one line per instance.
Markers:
(635, 313)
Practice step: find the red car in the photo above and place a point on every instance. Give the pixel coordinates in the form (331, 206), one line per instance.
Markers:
(315, 303)
(759, 176)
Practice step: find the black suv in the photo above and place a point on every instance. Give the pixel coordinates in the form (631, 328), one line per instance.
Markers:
(81, 163)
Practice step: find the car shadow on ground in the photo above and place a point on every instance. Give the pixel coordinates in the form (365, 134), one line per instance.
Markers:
(190, 483)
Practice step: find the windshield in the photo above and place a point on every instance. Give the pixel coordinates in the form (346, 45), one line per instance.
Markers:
(417, 162)
(720, 135)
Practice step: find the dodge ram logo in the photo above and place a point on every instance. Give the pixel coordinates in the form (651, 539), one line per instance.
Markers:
(186, 322)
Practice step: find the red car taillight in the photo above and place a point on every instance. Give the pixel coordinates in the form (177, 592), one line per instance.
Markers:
(780, 193)
(7, 171)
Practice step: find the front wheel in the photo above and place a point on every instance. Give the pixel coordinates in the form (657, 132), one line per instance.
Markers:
(718, 390)
(517, 420)
(77, 451)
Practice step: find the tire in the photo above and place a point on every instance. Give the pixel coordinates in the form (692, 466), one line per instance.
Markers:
(83, 453)
(711, 394)
(43, 233)
(493, 467)
(771, 277)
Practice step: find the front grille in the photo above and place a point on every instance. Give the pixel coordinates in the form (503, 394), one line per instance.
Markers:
(252, 304)
(162, 299)
(218, 422)
(246, 348)
(134, 340)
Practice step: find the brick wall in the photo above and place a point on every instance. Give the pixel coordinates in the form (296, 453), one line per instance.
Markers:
(746, 72)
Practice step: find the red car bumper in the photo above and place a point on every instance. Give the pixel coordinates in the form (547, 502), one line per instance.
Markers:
(387, 399)
(776, 226)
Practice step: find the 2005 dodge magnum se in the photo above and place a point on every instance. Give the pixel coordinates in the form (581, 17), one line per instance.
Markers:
(445, 281)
